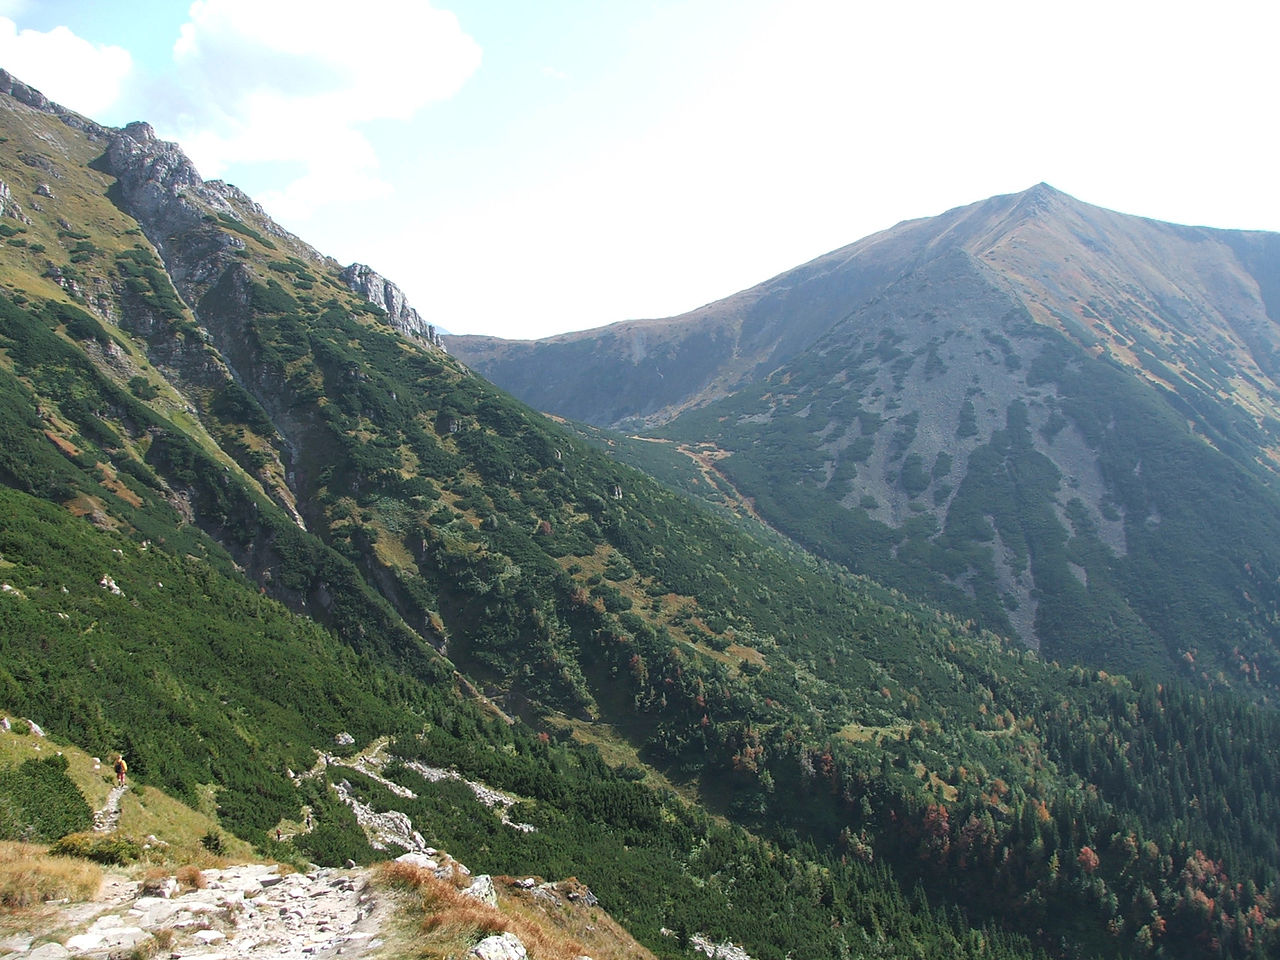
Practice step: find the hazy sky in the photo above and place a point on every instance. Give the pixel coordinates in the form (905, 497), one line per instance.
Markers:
(526, 167)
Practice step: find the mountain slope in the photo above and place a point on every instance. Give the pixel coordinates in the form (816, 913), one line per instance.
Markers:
(1054, 419)
(1087, 271)
(192, 396)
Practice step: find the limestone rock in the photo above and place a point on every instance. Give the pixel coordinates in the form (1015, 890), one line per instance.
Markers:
(506, 946)
(482, 889)
(9, 207)
(382, 829)
(422, 860)
(164, 888)
(381, 292)
(717, 951)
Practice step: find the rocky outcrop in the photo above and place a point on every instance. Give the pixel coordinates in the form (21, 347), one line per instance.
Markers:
(9, 207)
(390, 828)
(717, 951)
(33, 98)
(382, 293)
(197, 225)
(159, 186)
(395, 829)
(495, 800)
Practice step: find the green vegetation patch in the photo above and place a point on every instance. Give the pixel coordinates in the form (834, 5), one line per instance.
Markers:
(39, 803)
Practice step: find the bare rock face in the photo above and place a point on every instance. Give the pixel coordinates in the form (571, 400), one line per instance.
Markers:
(183, 214)
(7, 203)
(161, 189)
(381, 292)
(24, 94)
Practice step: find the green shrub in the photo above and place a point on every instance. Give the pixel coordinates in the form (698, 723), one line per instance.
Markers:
(112, 848)
(143, 389)
(38, 802)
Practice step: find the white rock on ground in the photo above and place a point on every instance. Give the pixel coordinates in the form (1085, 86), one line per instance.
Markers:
(482, 889)
(718, 951)
(244, 911)
(505, 946)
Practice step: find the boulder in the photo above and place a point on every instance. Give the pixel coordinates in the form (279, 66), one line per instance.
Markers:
(482, 889)
(164, 887)
(505, 946)
(418, 860)
(48, 951)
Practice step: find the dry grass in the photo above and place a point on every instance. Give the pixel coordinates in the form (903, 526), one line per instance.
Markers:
(590, 925)
(451, 922)
(144, 950)
(191, 878)
(188, 877)
(29, 876)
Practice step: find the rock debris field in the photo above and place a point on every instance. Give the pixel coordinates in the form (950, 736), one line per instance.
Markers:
(243, 911)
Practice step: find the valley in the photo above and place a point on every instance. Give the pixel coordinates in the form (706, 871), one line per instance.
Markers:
(905, 628)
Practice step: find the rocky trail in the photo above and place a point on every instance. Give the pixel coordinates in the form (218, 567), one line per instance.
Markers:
(108, 818)
(266, 910)
(252, 910)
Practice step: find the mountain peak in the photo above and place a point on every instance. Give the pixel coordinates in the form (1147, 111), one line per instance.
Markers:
(1041, 199)
(140, 132)
(1044, 190)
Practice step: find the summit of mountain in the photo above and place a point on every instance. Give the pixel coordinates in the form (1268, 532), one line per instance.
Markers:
(1103, 278)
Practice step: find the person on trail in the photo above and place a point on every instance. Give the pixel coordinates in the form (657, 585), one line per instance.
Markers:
(121, 769)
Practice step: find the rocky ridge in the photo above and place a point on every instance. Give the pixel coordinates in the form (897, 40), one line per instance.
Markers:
(381, 292)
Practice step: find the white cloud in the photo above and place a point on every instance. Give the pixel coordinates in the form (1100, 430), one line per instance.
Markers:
(289, 82)
(68, 69)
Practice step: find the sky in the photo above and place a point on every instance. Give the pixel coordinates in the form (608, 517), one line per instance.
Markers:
(528, 167)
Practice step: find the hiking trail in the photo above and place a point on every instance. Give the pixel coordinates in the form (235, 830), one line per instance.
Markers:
(108, 818)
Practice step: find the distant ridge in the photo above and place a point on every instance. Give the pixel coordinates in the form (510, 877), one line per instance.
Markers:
(650, 370)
